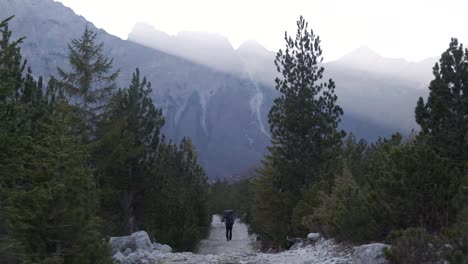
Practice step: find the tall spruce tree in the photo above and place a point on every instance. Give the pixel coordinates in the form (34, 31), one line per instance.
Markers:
(91, 80)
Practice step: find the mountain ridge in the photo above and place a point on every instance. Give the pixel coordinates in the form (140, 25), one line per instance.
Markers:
(360, 76)
(359, 58)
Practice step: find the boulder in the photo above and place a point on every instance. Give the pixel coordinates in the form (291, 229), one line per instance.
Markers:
(122, 243)
(127, 251)
(133, 258)
(313, 237)
(138, 240)
(369, 254)
(119, 258)
(156, 246)
(142, 240)
(166, 249)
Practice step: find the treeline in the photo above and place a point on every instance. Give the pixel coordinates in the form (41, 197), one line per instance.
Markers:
(82, 160)
(411, 192)
(225, 195)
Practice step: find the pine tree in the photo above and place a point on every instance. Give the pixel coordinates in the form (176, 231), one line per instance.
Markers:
(11, 64)
(47, 204)
(91, 80)
(304, 127)
(304, 118)
(354, 157)
(271, 209)
(175, 208)
(74, 224)
(13, 140)
(445, 114)
(444, 119)
(130, 137)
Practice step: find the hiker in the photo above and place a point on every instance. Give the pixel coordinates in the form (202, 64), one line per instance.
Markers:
(228, 219)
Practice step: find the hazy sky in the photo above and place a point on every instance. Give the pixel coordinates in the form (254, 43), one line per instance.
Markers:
(411, 29)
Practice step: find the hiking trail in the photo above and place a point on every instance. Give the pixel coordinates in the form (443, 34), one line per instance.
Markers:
(244, 249)
(216, 243)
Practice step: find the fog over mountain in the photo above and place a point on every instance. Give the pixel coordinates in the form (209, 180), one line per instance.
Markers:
(217, 95)
(367, 60)
(214, 50)
(369, 86)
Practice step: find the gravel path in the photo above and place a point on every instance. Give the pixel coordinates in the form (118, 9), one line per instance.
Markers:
(216, 243)
(242, 249)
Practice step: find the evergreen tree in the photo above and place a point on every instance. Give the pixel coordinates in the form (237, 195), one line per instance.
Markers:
(175, 208)
(47, 204)
(146, 183)
(91, 80)
(444, 118)
(130, 137)
(270, 208)
(304, 118)
(354, 156)
(11, 64)
(13, 140)
(69, 230)
(304, 127)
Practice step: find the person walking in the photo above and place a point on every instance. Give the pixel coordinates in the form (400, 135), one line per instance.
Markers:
(228, 220)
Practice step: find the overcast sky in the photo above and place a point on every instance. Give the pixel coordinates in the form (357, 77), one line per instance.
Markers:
(410, 29)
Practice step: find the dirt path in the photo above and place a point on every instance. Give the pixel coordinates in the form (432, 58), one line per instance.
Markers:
(216, 243)
(242, 250)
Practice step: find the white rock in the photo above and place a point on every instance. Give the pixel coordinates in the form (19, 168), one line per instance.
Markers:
(313, 237)
(142, 240)
(157, 246)
(138, 240)
(166, 249)
(370, 254)
(133, 258)
(127, 251)
(119, 257)
(121, 243)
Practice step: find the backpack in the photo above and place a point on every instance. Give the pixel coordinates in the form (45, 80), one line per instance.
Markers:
(229, 216)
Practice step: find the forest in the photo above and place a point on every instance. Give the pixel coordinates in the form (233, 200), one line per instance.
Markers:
(407, 191)
(82, 160)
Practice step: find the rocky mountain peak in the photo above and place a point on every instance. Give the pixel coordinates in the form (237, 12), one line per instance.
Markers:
(252, 47)
(363, 53)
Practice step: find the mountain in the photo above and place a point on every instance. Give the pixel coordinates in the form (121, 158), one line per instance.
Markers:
(209, 49)
(222, 113)
(365, 59)
(373, 90)
(258, 62)
(216, 95)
